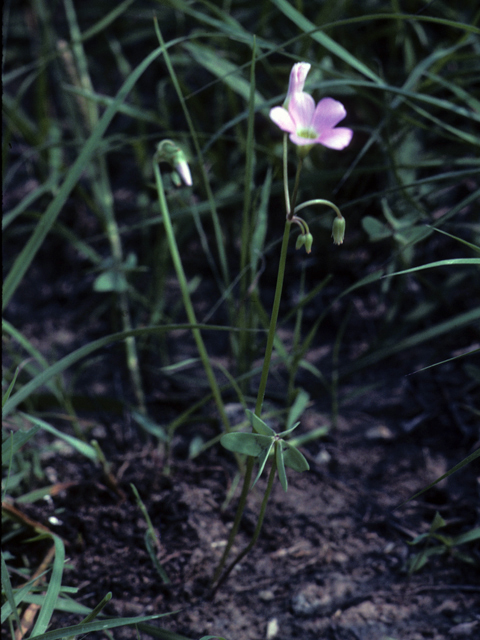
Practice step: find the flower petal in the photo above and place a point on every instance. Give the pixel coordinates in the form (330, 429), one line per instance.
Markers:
(298, 75)
(184, 171)
(282, 119)
(302, 108)
(327, 114)
(301, 141)
(337, 138)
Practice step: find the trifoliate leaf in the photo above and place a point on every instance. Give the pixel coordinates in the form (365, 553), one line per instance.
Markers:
(259, 425)
(250, 444)
(294, 459)
(262, 459)
(279, 457)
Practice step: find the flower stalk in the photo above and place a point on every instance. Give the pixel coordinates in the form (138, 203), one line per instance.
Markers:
(177, 263)
(306, 125)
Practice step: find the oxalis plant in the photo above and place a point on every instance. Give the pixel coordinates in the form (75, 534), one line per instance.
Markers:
(307, 125)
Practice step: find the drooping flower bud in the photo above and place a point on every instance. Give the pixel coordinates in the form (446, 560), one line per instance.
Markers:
(300, 241)
(183, 170)
(168, 151)
(308, 242)
(338, 230)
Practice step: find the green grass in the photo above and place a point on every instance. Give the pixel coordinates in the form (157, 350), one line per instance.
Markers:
(88, 94)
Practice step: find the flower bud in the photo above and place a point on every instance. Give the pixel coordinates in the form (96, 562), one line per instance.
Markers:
(300, 241)
(338, 230)
(183, 170)
(168, 151)
(308, 242)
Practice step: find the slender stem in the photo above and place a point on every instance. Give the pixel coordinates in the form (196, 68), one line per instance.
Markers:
(309, 203)
(263, 382)
(285, 174)
(258, 408)
(301, 223)
(201, 162)
(256, 533)
(238, 517)
(273, 320)
(187, 302)
(295, 189)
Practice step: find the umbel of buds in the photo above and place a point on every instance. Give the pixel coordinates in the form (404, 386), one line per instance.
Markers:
(168, 151)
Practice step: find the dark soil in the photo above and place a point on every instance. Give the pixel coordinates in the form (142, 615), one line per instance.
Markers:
(332, 555)
(332, 558)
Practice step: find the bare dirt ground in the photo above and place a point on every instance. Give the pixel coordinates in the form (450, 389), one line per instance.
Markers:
(332, 557)
(331, 561)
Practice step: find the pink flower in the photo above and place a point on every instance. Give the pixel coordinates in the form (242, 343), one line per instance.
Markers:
(298, 75)
(308, 124)
(184, 170)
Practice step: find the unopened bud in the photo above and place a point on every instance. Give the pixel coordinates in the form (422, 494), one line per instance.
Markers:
(308, 242)
(338, 230)
(168, 151)
(300, 241)
(183, 170)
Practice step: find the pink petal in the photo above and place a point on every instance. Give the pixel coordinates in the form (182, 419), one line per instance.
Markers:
(184, 172)
(298, 75)
(302, 108)
(327, 114)
(302, 142)
(282, 119)
(338, 138)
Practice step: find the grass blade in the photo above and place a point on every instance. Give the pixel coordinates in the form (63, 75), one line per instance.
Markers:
(43, 377)
(53, 590)
(440, 263)
(327, 42)
(458, 466)
(26, 256)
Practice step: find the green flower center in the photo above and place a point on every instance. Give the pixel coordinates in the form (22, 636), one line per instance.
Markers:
(310, 134)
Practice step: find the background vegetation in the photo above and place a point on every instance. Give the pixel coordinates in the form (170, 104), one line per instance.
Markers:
(94, 325)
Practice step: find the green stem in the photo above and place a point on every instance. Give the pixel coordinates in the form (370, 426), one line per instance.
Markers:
(295, 189)
(258, 408)
(187, 302)
(309, 203)
(201, 162)
(263, 383)
(285, 174)
(261, 394)
(273, 320)
(256, 533)
(236, 523)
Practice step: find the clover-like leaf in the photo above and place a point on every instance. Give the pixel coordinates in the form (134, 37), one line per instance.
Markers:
(250, 444)
(110, 280)
(279, 457)
(259, 425)
(289, 431)
(294, 459)
(262, 459)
